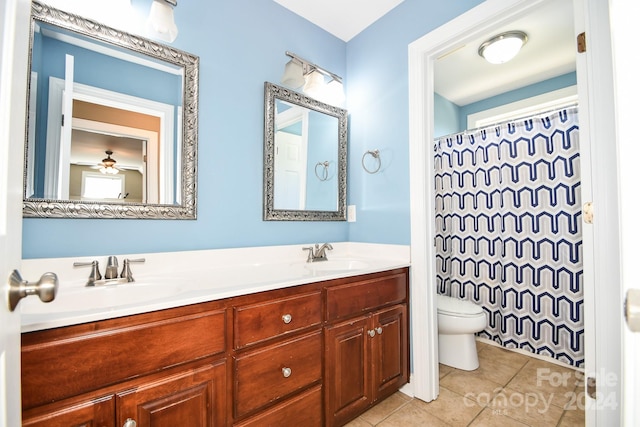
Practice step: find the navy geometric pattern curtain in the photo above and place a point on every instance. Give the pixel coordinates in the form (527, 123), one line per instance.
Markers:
(508, 231)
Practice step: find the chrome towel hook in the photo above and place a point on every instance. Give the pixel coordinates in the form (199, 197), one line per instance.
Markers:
(376, 155)
(324, 172)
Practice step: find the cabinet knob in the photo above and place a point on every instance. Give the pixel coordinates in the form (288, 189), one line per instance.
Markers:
(129, 423)
(379, 330)
(286, 372)
(287, 318)
(372, 333)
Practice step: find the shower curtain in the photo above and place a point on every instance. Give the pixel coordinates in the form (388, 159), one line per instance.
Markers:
(508, 230)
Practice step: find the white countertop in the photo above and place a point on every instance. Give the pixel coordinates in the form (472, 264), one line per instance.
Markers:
(167, 280)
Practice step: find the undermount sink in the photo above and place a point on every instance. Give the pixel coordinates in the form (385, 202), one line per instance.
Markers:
(337, 265)
(100, 297)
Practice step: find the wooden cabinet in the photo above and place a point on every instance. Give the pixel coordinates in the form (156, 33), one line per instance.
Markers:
(304, 409)
(347, 370)
(366, 355)
(312, 355)
(190, 397)
(277, 356)
(269, 374)
(273, 318)
(150, 367)
(91, 412)
(390, 351)
(194, 397)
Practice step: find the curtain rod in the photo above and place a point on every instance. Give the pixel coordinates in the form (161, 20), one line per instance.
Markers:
(525, 117)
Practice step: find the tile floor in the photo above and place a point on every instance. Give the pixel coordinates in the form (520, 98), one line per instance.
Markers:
(508, 389)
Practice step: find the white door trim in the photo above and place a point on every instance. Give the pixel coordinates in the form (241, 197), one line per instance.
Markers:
(14, 46)
(623, 33)
(422, 53)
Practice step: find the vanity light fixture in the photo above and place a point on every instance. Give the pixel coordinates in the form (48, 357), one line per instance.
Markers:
(161, 24)
(293, 75)
(300, 72)
(314, 84)
(108, 165)
(503, 47)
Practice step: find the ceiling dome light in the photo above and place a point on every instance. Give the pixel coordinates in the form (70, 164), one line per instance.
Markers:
(503, 47)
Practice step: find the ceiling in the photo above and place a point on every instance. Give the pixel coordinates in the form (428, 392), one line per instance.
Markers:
(462, 76)
(343, 18)
(89, 148)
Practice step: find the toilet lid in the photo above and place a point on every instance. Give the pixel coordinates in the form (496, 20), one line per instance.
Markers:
(455, 306)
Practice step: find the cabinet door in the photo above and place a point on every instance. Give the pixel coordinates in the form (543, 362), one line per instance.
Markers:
(390, 350)
(98, 412)
(194, 398)
(347, 369)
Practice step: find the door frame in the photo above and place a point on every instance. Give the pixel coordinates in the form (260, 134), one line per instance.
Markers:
(14, 47)
(596, 101)
(623, 34)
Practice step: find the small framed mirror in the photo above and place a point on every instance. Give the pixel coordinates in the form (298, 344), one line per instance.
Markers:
(112, 123)
(305, 158)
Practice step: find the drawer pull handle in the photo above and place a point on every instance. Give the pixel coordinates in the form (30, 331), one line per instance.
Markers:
(129, 423)
(286, 372)
(379, 330)
(372, 333)
(287, 318)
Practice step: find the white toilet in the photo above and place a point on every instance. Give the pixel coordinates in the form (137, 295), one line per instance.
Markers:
(458, 321)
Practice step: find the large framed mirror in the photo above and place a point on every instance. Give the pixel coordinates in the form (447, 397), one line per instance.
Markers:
(112, 123)
(305, 158)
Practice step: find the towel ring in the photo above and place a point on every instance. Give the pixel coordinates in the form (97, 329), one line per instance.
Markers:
(376, 155)
(324, 171)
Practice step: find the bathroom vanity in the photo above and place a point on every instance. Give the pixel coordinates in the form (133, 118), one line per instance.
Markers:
(314, 354)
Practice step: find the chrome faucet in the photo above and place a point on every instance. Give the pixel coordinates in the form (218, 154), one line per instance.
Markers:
(319, 253)
(95, 271)
(126, 270)
(111, 271)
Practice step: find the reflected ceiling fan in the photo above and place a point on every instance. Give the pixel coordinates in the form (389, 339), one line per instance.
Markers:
(108, 165)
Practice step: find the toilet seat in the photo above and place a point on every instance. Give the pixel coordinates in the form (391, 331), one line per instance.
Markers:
(456, 307)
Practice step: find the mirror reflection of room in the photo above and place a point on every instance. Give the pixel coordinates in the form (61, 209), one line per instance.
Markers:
(129, 140)
(306, 156)
(118, 102)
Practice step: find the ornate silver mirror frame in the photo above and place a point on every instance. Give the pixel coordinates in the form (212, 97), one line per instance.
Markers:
(273, 93)
(186, 199)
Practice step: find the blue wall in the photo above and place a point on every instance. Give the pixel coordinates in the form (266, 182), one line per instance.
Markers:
(549, 85)
(241, 44)
(446, 117)
(378, 103)
(450, 118)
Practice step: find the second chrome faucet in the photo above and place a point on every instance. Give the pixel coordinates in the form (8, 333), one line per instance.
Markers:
(318, 253)
(111, 271)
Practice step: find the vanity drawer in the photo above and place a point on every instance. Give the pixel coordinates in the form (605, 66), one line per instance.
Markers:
(259, 322)
(304, 409)
(355, 298)
(266, 375)
(68, 361)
